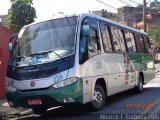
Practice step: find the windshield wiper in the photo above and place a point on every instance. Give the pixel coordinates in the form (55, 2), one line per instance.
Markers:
(56, 32)
(25, 58)
(45, 52)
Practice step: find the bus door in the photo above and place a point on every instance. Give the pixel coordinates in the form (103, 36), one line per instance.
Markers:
(93, 47)
(89, 57)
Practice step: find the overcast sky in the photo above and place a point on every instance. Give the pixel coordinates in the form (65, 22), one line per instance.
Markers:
(47, 8)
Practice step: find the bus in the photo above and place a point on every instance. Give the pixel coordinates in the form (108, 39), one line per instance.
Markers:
(76, 59)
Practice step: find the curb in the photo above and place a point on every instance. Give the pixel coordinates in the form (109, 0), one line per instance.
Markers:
(9, 112)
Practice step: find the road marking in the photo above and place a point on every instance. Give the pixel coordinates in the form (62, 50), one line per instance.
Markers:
(53, 108)
(156, 110)
(148, 109)
(26, 112)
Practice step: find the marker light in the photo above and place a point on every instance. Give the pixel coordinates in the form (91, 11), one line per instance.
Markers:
(10, 89)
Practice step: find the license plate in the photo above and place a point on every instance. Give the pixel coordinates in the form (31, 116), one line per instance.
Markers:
(34, 102)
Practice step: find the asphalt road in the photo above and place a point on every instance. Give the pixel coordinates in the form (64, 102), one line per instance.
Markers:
(126, 105)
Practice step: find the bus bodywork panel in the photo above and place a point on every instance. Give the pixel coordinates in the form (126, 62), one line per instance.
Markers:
(112, 68)
(120, 72)
(56, 96)
(144, 64)
(44, 56)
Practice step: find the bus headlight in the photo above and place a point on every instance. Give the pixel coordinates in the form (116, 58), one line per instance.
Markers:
(65, 82)
(10, 89)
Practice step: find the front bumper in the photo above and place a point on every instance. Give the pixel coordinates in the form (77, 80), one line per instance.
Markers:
(50, 97)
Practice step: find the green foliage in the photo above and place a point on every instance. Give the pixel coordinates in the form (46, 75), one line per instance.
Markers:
(154, 34)
(21, 13)
(155, 3)
(140, 6)
(25, 1)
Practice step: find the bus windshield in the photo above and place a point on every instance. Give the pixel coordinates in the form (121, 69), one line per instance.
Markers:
(46, 41)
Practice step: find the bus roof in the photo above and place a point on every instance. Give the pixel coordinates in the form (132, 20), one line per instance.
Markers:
(82, 15)
(51, 18)
(112, 22)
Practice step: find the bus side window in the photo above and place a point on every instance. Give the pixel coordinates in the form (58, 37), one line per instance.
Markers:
(140, 44)
(93, 43)
(130, 42)
(118, 40)
(147, 44)
(106, 38)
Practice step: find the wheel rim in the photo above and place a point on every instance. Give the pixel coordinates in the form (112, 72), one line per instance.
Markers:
(98, 99)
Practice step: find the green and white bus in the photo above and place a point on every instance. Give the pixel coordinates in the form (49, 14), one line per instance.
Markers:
(76, 59)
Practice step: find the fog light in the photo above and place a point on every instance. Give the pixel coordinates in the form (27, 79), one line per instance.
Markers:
(68, 100)
(10, 89)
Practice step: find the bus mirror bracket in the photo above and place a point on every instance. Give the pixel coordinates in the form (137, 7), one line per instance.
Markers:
(12, 41)
(86, 30)
(10, 47)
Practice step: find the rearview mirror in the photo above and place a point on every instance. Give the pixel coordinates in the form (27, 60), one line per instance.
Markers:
(10, 47)
(12, 41)
(86, 30)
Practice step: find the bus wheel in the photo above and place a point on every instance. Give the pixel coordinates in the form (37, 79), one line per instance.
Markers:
(98, 98)
(139, 87)
(40, 111)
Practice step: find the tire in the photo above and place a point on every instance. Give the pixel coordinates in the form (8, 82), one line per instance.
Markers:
(40, 111)
(99, 98)
(139, 87)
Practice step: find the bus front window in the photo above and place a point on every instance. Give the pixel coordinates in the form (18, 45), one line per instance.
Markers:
(46, 41)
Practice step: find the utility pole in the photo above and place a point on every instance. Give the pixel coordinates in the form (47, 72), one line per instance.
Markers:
(144, 15)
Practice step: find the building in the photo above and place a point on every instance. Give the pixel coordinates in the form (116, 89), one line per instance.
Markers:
(153, 21)
(4, 20)
(105, 14)
(5, 34)
(132, 15)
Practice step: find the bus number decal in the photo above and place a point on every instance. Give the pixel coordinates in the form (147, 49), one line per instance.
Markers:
(99, 65)
(57, 78)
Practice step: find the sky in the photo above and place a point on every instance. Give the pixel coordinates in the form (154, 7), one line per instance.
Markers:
(48, 8)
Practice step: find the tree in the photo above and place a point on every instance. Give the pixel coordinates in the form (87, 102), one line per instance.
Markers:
(140, 6)
(154, 34)
(21, 13)
(155, 3)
